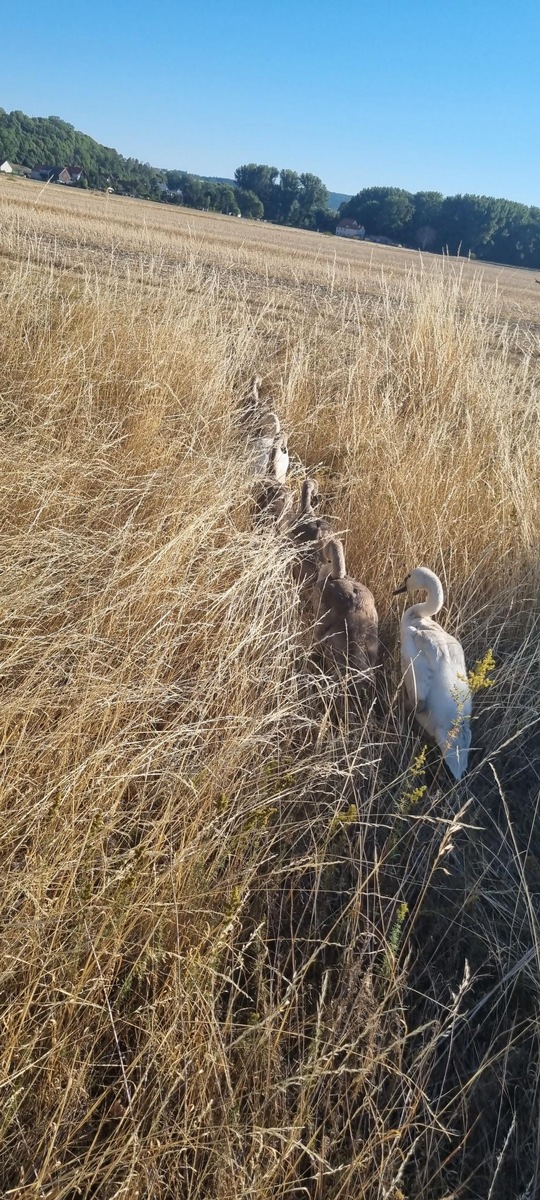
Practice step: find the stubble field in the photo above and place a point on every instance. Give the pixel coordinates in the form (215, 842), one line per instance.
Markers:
(251, 949)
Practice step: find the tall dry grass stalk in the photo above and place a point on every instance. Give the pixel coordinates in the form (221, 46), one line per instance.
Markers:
(244, 953)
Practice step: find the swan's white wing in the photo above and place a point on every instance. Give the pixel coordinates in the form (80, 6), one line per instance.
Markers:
(428, 654)
(435, 644)
(453, 652)
(419, 661)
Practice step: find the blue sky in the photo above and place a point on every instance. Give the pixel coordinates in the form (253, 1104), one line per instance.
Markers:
(421, 95)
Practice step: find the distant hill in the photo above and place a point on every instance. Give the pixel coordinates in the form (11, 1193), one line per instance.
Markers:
(337, 198)
(217, 179)
(49, 141)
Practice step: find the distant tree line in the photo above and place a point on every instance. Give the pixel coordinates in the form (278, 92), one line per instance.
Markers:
(482, 226)
(284, 197)
(288, 198)
(214, 195)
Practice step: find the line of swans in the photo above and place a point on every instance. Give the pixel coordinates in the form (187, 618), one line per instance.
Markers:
(344, 610)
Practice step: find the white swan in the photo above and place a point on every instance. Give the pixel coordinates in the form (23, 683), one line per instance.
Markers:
(434, 672)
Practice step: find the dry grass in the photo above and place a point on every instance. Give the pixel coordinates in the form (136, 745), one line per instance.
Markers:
(239, 957)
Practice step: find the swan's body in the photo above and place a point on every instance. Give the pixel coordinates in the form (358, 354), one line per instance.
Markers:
(274, 500)
(266, 431)
(346, 616)
(435, 674)
(308, 533)
(278, 459)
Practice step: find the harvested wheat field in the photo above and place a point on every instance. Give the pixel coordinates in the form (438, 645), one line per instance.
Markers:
(253, 944)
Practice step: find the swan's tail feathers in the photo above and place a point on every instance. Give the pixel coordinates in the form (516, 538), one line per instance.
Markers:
(455, 747)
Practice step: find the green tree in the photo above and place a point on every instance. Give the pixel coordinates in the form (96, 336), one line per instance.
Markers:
(225, 199)
(249, 204)
(384, 211)
(522, 246)
(313, 196)
(470, 223)
(261, 179)
(426, 219)
(325, 220)
(173, 179)
(289, 190)
(506, 244)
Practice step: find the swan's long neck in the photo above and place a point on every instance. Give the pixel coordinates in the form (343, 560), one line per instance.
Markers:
(306, 497)
(434, 601)
(335, 554)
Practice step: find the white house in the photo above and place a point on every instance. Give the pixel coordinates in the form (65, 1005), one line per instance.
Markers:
(349, 228)
(6, 167)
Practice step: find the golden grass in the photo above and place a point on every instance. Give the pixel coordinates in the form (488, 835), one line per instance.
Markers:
(243, 954)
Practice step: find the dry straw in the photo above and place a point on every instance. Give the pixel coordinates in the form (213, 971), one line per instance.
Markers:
(248, 949)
